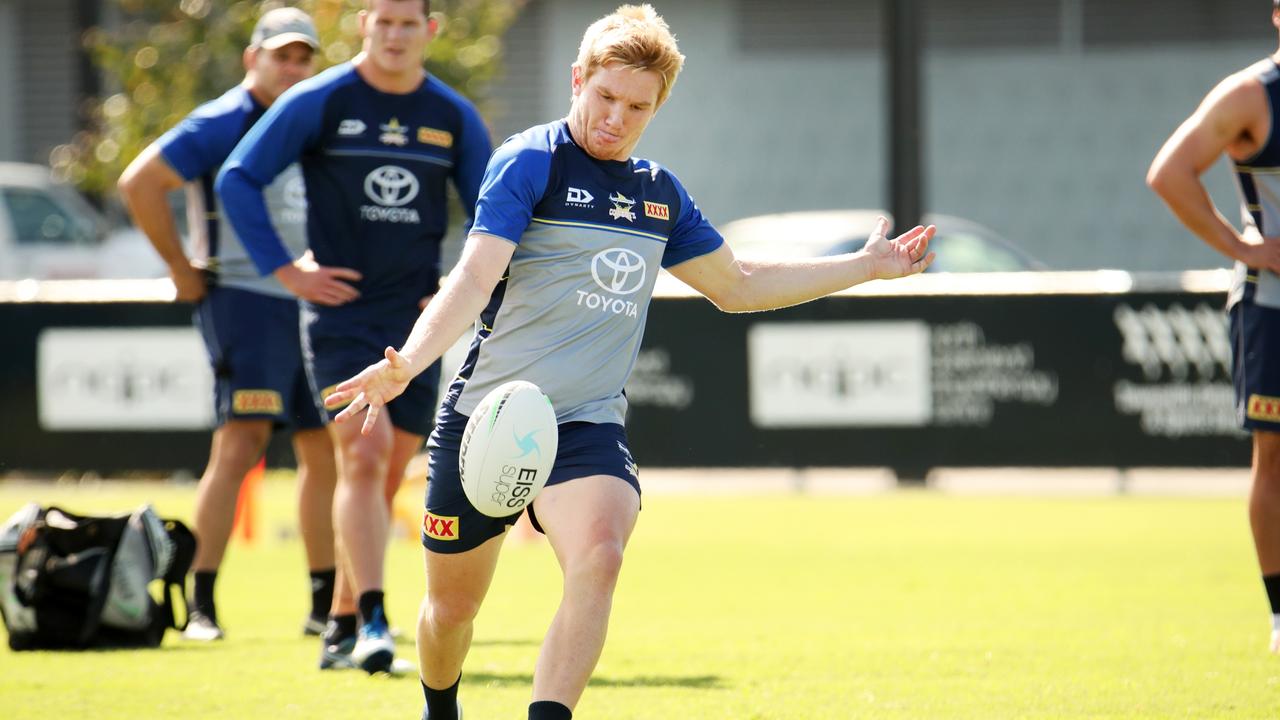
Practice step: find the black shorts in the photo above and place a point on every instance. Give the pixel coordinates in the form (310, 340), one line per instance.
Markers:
(452, 525)
(1255, 364)
(336, 350)
(256, 354)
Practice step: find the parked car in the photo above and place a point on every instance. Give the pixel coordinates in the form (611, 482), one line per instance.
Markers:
(49, 231)
(961, 245)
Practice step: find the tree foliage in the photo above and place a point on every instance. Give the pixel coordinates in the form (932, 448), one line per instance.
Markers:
(163, 58)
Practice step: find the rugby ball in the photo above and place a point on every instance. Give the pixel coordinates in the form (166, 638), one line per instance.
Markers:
(508, 448)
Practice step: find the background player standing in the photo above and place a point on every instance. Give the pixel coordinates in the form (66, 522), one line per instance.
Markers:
(249, 323)
(1237, 118)
(377, 139)
(559, 268)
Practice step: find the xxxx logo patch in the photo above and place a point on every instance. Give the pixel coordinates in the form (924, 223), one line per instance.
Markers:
(253, 402)
(1262, 407)
(440, 527)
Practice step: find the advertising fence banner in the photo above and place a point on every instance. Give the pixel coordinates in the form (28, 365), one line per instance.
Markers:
(911, 381)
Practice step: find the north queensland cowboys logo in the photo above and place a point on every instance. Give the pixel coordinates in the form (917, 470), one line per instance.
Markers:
(391, 187)
(393, 133)
(621, 209)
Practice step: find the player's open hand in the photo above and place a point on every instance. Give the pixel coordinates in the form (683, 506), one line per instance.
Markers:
(317, 283)
(373, 388)
(904, 255)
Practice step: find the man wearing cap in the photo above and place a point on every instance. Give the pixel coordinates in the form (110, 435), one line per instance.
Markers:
(249, 323)
(379, 141)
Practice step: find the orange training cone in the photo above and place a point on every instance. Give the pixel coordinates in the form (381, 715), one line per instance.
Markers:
(246, 519)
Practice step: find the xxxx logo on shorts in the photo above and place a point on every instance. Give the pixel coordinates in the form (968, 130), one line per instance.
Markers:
(254, 402)
(1264, 408)
(440, 527)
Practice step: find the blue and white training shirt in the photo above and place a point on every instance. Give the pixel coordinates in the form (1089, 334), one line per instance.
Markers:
(376, 166)
(196, 148)
(590, 236)
(1258, 186)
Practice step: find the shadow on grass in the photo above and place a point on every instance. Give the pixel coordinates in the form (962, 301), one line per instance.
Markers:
(405, 640)
(708, 682)
(504, 642)
(167, 648)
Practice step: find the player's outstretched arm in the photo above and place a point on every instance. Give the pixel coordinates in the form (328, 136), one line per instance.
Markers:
(465, 293)
(749, 285)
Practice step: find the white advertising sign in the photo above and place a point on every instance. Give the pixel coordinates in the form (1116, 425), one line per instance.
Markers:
(839, 374)
(123, 379)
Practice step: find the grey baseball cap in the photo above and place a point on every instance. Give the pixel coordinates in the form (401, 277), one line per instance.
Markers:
(283, 26)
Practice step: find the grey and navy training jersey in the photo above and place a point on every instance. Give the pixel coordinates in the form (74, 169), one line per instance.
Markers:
(196, 148)
(590, 236)
(1258, 183)
(376, 166)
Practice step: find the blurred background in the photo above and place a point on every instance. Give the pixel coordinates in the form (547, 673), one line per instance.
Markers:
(1038, 119)
(1027, 132)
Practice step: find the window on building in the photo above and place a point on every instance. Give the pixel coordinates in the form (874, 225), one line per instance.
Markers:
(991, 24)
(808, 26)
(822, 26)
(1140, 23)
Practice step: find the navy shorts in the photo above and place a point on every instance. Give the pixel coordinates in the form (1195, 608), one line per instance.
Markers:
(452, 525)
(340, 347)
(256, 354)
(1255, 362)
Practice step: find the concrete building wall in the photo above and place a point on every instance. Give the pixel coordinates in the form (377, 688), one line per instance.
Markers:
(1046, 144)
(49, 84)
(1045, 138)
(749, 134)
(10, 117)
(1052, 150)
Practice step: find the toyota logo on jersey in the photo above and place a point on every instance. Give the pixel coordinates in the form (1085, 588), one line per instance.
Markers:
(618, 270)
(391, 187)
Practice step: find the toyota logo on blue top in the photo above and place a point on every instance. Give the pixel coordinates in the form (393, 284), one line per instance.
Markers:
(391, 186)
(618, 270)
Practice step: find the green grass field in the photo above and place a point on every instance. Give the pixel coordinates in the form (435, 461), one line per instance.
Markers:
(907, 605)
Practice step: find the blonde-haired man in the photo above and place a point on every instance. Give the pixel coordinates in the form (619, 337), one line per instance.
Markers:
(560, 202)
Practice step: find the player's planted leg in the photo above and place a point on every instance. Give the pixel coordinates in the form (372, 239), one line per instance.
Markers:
(456, 586)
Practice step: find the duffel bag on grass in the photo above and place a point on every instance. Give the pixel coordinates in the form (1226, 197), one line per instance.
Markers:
(80, 581)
